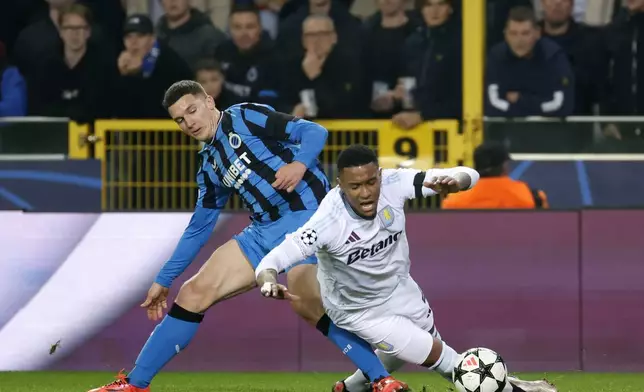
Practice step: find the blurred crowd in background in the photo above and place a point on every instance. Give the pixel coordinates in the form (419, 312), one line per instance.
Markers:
(88, 59)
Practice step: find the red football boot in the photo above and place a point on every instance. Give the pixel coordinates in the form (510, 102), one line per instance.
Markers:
(339, 387)
(390, 384)
(120, 385)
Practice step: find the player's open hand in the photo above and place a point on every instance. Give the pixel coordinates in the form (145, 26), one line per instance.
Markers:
(443, 185)
(277, 291)
(156, 301)
(288, 176)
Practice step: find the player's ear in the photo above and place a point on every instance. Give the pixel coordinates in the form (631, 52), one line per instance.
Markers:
(210, 102)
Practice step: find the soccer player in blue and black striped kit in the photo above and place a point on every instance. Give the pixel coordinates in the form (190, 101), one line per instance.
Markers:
(270, 160)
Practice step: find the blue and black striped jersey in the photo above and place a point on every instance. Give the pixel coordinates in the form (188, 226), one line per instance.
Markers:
(251, 143)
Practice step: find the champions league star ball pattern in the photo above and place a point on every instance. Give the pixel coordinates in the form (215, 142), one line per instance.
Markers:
(480, 370)
(309, 236)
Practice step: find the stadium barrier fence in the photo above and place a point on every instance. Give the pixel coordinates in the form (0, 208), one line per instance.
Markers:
(151, 165)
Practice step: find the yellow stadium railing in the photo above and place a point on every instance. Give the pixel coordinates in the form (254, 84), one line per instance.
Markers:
(473, 70)
(151, 165)
(78, 146)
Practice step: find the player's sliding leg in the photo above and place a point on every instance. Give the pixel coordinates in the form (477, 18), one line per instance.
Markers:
(408, 342)
(358, 382)
(227, 273)
(302, 281)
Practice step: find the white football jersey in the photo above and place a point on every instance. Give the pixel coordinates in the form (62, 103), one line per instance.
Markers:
(360, 261)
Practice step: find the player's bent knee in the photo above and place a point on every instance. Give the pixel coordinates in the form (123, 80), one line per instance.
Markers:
(408, 343)
(196, 296)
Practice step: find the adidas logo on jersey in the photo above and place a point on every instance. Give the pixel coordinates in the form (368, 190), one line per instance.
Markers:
(352, 238)
(376, 248)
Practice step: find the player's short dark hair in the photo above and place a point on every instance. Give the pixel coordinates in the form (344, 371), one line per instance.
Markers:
(208, 65)
(356, 155)
(522, 14)
(179, 89)
(243, 8)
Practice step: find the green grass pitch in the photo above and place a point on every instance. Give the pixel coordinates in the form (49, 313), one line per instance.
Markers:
(291, 382)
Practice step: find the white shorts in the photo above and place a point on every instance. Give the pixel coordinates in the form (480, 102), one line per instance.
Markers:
(402, 327)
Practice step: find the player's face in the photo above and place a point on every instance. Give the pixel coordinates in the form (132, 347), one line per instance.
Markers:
(74, 31)
(245, 29)
(212, 82)
(361, 186)
(521, 37)
(436, 12)
(196, 115)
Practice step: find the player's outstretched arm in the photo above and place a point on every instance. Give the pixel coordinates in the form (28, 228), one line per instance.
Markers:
(317, 233)
(412, 183)
(210, 202)
(451, 180)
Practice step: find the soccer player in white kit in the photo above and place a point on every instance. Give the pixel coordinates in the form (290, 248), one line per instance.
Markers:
(358, 234)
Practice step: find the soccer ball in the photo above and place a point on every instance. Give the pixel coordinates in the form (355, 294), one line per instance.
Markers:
(480, 370)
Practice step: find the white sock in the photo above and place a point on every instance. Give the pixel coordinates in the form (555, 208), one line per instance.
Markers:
(446, 362)
(357, 381)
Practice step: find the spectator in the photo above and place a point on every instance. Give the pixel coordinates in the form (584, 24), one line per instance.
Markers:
(269, 15)
(385, 33)
(188, 31)
(527, 75)
(110, 15)
(433, 64)
(579, 42)
(347, 26)
(209, 74)
(78, 78)
(147, 68)
(496, 16)
(13, 91)
(41, 39)
(247, 59)
(495, 189)
(320, 82)
(623, 95)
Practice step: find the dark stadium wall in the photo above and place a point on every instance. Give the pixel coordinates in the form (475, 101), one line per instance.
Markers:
(548, 290)
(75, 185)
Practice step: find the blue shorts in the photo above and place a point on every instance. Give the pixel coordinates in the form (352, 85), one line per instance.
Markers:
(257, 239)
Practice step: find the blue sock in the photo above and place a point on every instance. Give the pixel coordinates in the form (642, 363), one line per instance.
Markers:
(169, 337)
(358, 351)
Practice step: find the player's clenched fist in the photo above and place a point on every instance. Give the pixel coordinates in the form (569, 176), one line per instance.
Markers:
(277, 291)
(156, 301)
(288, 176)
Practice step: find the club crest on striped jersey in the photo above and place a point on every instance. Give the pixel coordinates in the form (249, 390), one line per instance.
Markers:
(234, 140)
(386, 216)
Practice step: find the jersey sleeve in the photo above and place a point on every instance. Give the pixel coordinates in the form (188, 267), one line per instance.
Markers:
(264, 121)
(316, 234)
(210, 201)
(407, 184)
